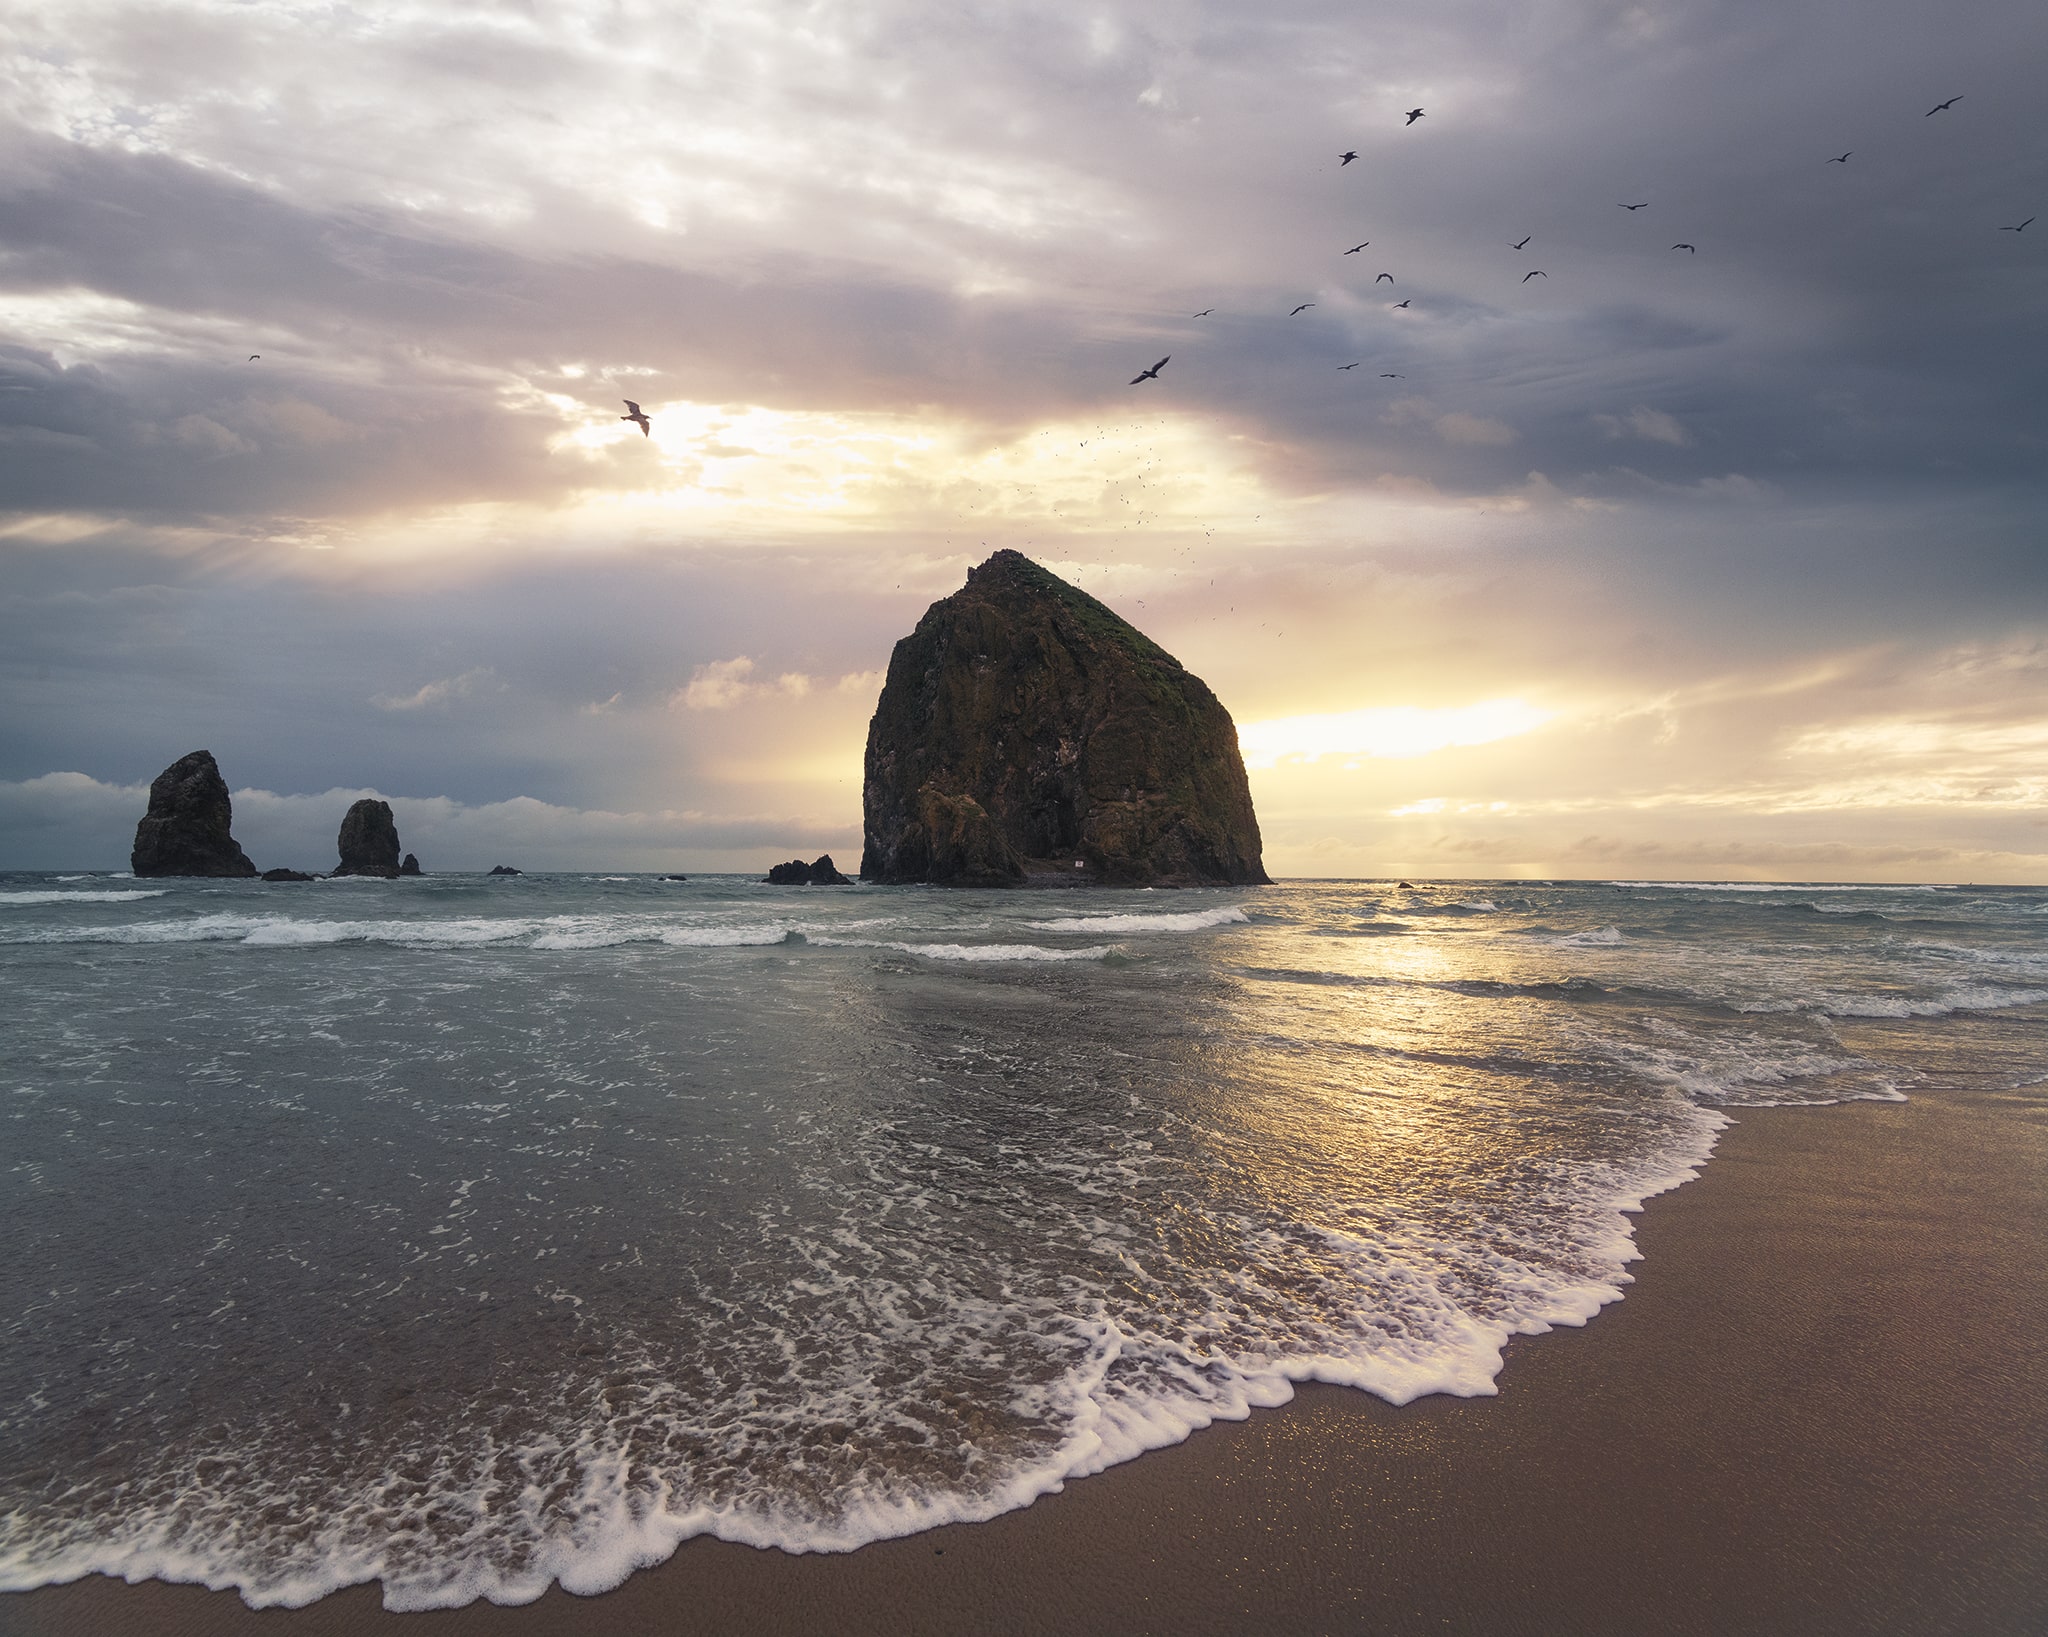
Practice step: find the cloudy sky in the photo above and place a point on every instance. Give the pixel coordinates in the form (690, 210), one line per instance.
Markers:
(1727, 560)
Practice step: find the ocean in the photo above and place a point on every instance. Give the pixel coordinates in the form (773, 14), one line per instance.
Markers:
(472, 1234)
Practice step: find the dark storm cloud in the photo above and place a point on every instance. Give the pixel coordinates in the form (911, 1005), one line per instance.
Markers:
(1839, 324)
(456, 236)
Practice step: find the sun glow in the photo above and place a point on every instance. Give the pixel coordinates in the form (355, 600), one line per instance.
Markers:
(1393, 731)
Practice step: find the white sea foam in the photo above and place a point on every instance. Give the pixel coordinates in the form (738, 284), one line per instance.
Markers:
(1191, 921)
(78, 897)
(1127, 1390)
(1593, 937)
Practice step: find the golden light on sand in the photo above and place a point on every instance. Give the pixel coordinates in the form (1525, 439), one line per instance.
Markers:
(1392, 731)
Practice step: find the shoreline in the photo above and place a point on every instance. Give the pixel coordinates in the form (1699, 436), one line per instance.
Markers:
(1822, 1407)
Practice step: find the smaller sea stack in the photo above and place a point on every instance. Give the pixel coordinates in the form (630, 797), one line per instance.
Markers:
(796, 873)
(187, 828)
(369, 841)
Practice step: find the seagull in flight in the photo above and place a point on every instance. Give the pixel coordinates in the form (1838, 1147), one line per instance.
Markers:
(1151, 374)
(1536, 273)
(646, 426)
(1354, 250)
(1344, 159)
(1413, 115)
(2020, 229)
(1304, 307)
(1939, 106)
(256, 355)
(1342, 367)
(1389, 277)
(1523, 245)
(1386, 377)
(1695, 249)
(1841, 158)
(1643, 206)
(1400, 304)
(1205, 312)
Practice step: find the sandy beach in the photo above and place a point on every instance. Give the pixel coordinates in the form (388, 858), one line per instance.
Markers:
(1822, 1408)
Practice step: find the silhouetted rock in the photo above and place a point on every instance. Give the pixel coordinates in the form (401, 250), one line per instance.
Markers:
(675, 878)
(187, 828)
(288, 875)
(411, 866)
(796, 873)
(369, 841)
(1024, 727)
(503, 869)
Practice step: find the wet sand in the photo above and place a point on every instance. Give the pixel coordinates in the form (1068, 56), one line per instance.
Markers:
(1822, 1408)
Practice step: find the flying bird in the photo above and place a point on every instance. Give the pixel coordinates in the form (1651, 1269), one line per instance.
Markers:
(1524, 245)
(256, 355)
(1939, 106)
(1344, 159)
(646, 426)
(1304, 307)
(1350, 366)
(1205, 312)
(1354, 250)
(1645, 205)
(2020, 229)
(1695, 249)
(1385, 377)
(1151, 374)
(1841, 158)
(1413, 115)
(1400, 304)
(1389, 277)
(1536, 273)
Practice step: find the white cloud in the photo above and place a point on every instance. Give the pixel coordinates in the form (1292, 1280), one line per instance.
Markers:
(1649, 425)
(443, 691)
(725, 683)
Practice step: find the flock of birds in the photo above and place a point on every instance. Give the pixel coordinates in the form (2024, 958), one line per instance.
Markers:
(639, 417)
(1409, 118)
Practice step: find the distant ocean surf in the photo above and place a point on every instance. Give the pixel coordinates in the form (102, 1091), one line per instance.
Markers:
(471, 1235)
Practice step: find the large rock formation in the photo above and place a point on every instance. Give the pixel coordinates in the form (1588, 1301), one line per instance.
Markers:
(368, 840)
(186, 830)
(1025, 729)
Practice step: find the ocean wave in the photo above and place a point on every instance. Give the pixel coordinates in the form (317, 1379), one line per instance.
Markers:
(615, 1476)
(1191, 921)
(970, 952)
(1594, 937)
(79, 897)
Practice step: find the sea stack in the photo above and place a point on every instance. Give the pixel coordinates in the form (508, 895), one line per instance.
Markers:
(796, 873)
(369, 841)
(186, 830)
(1027, 734)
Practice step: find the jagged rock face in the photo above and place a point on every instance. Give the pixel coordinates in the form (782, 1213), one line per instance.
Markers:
(186, 830)
(411, 866)
(369, 841)
(1024, 727)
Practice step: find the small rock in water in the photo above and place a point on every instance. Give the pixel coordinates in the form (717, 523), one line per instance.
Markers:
(796, 873)
(503, 869)
(186, 830)
(411, 866)
(369, 841)
(288, 875)
(675, 878)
